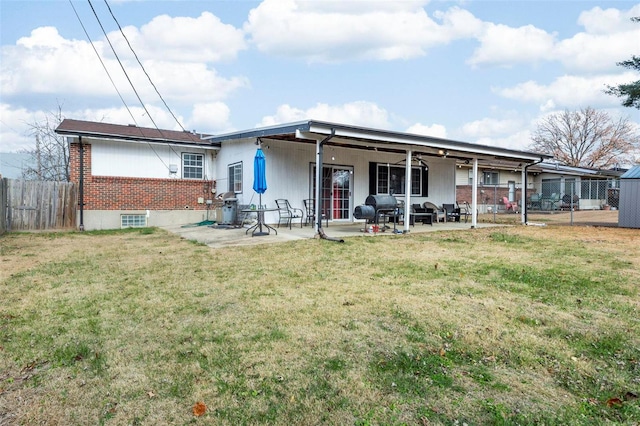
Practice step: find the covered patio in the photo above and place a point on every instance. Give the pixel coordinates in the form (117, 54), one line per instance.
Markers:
(367, 148)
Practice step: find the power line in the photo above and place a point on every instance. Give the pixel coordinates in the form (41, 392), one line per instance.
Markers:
(122, 67)
(133, 88)
(102, 62)
(141, 66)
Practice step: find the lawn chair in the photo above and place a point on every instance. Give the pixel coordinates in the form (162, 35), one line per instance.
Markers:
(536, 201)
(287, 214)
(451, 212)
(310, 207)
(465, 210)
(508, 205)
(438, 212)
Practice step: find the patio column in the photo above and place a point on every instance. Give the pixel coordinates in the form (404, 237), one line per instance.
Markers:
(474, 195)
(523, 201)
(407, 192)
(318, 207)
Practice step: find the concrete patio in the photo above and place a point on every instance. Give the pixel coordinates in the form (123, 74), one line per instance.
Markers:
(218, 237)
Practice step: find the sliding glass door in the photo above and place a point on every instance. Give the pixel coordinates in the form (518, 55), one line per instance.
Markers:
(336, 191)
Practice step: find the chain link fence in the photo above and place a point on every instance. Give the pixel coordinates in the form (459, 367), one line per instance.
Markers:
(564, 201)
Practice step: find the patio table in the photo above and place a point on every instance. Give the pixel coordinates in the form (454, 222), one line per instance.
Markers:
(260, 223)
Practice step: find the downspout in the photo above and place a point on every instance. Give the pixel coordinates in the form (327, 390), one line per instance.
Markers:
(318, 207)
(524, 190)
(81, 190)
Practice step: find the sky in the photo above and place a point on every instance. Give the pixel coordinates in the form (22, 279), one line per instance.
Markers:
(475, 71)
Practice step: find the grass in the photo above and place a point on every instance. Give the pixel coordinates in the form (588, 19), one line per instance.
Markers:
(516, 326)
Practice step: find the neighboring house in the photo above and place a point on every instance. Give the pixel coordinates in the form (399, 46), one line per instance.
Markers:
(136, 176)
(590, 188)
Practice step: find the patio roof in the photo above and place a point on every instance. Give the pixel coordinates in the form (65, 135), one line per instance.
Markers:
(381, 140)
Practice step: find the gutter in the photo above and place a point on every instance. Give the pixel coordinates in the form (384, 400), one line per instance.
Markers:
(318, 195)
(81, 190)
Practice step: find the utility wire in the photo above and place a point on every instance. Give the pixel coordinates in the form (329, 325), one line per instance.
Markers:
(102, 62)
(141, 66)
(122, 67)
(132, 86)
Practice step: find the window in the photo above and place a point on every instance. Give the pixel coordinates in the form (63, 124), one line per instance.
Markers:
(391, 180)
(235, 177)
(133, 221)
(192, 166)
(490, 178)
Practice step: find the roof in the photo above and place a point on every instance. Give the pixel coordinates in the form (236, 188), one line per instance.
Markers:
(380, 140)
(632, 173)
(134, 133)
(578, 171)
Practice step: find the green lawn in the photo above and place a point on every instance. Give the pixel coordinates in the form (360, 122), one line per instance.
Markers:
(499, 326)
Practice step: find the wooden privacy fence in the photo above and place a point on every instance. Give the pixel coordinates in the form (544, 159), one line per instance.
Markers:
(39, 205)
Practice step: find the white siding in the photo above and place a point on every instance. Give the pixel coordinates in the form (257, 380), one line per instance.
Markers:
(126, 159)
(289, 168)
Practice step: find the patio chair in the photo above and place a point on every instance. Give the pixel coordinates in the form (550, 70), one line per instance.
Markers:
(452, 212)
(536, 201)
(287, 214)
(509, 205)
(438, 212)
(465, 210)
(310, 207)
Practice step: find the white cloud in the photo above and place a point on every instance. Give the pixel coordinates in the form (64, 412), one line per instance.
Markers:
(435, 130)
(593, 52)
(504, 45)
(519, 140)
(599, 21)
(609, 37)
(210, 118)
(567, 91)
(488, 127)
(46, 63)
(14, 132)
(359, 113)
(185, 39)
(335, 31)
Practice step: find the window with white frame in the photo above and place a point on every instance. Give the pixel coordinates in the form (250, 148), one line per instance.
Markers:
(490, 178)
(192, 166)
(133, 220)
(235, 177)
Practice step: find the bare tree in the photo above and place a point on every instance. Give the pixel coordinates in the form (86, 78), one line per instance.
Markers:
(50, 157)
(587, 138)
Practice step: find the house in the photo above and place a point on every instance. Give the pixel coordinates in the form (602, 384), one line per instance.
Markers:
(134, 176)
(138, 176)
(550, 185)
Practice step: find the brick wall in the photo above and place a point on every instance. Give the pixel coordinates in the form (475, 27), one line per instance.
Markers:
(129, 193)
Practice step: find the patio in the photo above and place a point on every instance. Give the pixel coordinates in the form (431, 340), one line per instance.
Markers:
(225, 237)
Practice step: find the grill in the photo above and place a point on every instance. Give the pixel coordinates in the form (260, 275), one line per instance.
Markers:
(374, 206)
(382, 203)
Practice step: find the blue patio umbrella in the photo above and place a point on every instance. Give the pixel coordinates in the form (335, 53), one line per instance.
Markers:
(259, 174)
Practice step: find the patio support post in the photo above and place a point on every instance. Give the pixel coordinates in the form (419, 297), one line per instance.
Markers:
(319, 160)
(523, 199)
(474, 195)
(407, 192)
(318, 195)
